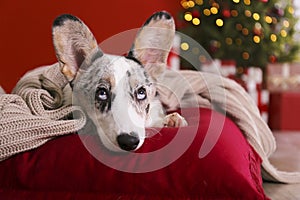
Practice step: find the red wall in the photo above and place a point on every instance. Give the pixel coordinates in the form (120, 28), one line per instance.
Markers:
(25, 35)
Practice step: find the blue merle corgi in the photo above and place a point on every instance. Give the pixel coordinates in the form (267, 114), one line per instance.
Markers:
(118, 93)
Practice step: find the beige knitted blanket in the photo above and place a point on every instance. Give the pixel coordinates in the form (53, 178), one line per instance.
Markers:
(231, 99)
(39, 111)
(36, 113)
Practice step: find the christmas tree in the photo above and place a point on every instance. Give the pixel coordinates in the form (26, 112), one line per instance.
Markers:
(250, 32)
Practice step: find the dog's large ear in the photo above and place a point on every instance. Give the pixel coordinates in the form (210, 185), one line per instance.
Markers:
(74, 43)
(153, 43)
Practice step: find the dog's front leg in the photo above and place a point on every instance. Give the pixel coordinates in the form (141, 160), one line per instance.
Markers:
(158, 118)
(174, 120)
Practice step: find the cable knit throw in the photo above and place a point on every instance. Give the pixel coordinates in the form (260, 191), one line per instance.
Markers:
(231, 99)
(38, 111)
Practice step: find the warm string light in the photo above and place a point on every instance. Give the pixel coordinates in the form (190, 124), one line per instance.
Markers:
(248, 13)
(234, 13)
(184, 46)
(291, 10)
(246, 55)
(187, 4)
(196, 21)
(214, 4)
(240, 70)
(239, 27)
(256, 39)
(257, 25)
(228, 41)
(214, 10)
(247, 2)
(206, 12)
(219, 22)
(238, 41)
(257, 35)
(184, 4)
(216, 43)
(283, 33)
(191, 4)
(196, 51)
(286, 23)
(273, 37)
(199, 2)
(202, 59)
(256, 16)
(245, 31)
(274, 20)
(268, 19)
(188, 16)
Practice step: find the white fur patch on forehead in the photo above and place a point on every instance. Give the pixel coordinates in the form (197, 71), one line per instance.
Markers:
(120, 68)
(123, 68)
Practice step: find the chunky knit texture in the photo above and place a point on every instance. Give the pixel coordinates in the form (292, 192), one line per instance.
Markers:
(227, 96)
(36, 113)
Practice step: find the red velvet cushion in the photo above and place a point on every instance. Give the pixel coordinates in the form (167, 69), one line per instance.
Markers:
(64, 169)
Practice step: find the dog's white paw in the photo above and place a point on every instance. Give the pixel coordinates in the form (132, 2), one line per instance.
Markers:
(174, 120)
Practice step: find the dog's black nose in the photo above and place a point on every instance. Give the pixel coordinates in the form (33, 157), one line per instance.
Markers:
(128, 142)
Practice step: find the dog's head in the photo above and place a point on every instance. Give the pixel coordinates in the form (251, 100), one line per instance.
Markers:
(115, 91)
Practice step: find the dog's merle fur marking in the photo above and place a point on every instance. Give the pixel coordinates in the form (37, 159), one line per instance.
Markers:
(94, 57)
(104, 105)
(117, 93)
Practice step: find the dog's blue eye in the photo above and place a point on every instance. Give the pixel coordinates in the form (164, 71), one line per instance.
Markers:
(102, 94)
(141, 94)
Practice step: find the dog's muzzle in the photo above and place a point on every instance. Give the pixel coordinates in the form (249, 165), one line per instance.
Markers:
(128, 142)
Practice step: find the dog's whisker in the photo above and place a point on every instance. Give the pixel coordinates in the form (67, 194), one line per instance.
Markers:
(151, 132)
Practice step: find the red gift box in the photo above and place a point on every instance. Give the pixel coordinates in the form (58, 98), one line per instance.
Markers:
(283, 77)
(284, 109)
